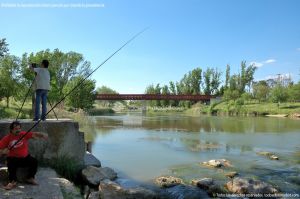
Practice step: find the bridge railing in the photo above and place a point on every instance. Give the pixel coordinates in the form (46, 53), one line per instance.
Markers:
(153, 97)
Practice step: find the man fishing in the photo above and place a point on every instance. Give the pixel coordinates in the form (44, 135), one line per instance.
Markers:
(17, 153)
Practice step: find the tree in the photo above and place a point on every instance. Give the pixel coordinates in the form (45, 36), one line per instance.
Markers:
(227, 76)
(243, 80)
(231, 94)
(83, 96)
(294, 92)
(250, 70)
(106, 90)
(207, 81)
(173, 91)
(279, 94)
(62, 67)
(216, 81)
(157, 89)
(165, 91)
(234, 82)
(3, 47)
(261, 90)
(151, 90)
(10, 75)
(195, 80)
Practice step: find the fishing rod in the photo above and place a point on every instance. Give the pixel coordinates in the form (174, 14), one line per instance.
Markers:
(25, 98)
(79, 84)
(51, 108)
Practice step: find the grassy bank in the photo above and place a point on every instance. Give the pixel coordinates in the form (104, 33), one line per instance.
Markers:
(249, 109)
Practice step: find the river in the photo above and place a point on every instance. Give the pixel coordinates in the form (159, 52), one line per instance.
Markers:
(142, 147)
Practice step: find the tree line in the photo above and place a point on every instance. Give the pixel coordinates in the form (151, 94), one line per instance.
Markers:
(66, 70)
(237, 88)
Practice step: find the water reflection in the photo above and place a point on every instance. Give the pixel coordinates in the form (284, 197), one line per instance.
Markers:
(198, 124)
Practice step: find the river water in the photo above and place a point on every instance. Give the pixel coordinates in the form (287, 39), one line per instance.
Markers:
(142, 147)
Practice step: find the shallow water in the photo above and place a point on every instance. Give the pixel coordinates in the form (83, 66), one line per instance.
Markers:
(143, 147)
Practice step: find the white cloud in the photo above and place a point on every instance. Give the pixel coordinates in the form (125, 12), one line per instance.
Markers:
(260, 64)
(298, 49)
(270, 61)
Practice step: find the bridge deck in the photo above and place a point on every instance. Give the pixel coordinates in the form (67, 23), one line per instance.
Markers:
(153, 97)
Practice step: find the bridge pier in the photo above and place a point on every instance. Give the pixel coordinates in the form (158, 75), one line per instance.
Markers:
(144, 106)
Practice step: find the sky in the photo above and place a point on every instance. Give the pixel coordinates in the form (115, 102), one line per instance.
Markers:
(182, 35)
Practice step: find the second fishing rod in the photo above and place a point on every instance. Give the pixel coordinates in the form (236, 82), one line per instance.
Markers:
(79, 84)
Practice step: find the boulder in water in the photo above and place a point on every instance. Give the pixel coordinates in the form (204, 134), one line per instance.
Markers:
(244, 186)
(217, 163)
(167, 181)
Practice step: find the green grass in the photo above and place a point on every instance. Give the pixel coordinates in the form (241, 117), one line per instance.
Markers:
(66, 167)
(257, 108)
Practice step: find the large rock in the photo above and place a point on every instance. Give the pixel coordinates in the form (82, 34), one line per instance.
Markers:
(167, 181)
(91, 160)
(93, 175)
(244, 186)
(65, 139)
(112, 190)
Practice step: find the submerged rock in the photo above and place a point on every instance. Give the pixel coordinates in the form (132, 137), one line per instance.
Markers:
(268, 154)
(112, 190)
(244, 186)
(274, 157)
(93, 175)
(204, 147)
(217, 163)
(167, 181)
(184, 192)
(203, 183)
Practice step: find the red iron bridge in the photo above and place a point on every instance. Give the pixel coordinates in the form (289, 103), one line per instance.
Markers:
(204, 98)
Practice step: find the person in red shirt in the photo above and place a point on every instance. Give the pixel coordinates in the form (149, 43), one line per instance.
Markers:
(17, 153)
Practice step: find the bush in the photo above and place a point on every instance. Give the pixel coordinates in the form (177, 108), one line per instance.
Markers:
(66, 166)
(239, 102)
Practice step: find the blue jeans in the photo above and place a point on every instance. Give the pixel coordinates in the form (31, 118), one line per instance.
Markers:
(40, 94)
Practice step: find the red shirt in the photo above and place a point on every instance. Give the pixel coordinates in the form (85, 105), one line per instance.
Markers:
(20, 150)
